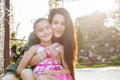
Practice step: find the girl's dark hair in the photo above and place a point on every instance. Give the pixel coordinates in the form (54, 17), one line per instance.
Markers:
(68, 40)
(38, 20)
(32, 39)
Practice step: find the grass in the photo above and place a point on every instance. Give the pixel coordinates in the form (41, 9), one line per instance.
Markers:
(96, 66)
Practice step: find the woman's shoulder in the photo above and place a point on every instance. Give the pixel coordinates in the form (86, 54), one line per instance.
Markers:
(57, 46)
(60, 49)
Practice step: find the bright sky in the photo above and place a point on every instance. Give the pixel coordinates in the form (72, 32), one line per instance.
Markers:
(27, 10)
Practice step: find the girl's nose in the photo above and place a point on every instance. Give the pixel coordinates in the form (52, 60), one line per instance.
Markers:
(45, 30)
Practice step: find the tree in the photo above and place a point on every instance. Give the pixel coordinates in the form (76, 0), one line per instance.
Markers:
(100, 42)
(79, 33)
(117, 15)
(92, 25)
(54, 3)
(6, 38)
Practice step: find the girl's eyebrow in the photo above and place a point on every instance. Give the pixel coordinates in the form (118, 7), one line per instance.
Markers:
(55, 21)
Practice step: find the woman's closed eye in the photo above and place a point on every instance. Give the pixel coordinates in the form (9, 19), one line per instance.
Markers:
(55, 22)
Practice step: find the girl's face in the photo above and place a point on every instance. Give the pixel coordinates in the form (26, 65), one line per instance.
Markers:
(43, 31)
(58, 25)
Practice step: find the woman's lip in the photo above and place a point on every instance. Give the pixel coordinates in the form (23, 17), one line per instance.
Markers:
(59, 31)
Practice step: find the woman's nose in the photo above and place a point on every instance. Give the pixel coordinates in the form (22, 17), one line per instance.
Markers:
(59, 26)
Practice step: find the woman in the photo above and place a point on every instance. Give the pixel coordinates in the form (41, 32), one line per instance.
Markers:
(63, 30)
(64, 33)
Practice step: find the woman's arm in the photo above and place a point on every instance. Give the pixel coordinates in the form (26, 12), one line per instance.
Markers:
(26, 58)
(65, 69)
(36, 57)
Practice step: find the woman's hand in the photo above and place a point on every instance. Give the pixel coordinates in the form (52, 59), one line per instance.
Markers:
(48, 72)
(54, 49)
(36, 59)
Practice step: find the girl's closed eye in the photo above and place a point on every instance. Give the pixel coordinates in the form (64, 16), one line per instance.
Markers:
(48, 27)
(40, 30)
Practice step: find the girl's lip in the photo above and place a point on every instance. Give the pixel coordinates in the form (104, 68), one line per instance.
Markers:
(47, 35)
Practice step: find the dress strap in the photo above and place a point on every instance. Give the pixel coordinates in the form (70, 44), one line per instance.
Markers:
(38, 51)
(39, 55)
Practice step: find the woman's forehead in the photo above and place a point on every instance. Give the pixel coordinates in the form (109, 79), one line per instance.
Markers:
(59, 17)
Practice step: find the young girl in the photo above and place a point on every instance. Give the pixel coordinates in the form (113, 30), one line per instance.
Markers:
(54, 68)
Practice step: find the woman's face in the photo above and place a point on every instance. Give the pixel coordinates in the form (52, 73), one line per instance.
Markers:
(58, 25)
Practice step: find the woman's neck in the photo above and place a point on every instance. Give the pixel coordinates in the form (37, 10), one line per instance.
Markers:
(56, 39)
(46, 43)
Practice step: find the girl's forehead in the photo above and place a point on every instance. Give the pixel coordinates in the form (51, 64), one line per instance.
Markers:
(43, 22)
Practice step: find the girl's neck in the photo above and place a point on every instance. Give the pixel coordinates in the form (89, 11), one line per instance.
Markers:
(46, 43)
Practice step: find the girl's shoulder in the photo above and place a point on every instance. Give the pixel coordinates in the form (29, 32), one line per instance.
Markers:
(32, 49)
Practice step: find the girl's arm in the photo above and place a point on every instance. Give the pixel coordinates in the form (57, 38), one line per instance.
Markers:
(26, 58)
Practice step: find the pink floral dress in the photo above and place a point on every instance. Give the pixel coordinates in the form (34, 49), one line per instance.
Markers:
(50, 63)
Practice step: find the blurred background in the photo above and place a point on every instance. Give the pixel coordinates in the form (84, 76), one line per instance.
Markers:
(97, 24)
